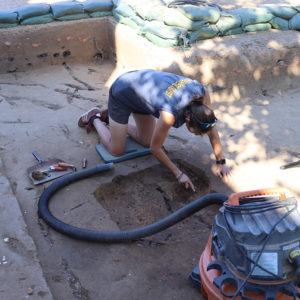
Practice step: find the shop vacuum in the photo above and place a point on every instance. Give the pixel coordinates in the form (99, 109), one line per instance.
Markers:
(253, 251)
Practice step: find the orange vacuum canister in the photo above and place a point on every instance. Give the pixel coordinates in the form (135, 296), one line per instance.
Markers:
(253, 251)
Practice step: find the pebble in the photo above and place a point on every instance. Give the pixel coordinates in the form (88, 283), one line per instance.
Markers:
(30, 291)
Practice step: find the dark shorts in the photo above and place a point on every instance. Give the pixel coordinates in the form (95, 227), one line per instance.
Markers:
(118, 111)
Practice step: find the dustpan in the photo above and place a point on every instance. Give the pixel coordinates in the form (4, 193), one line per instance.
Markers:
(43, 166)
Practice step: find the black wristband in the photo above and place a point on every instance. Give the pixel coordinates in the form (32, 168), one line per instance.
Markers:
(92, 119)
(221, 161)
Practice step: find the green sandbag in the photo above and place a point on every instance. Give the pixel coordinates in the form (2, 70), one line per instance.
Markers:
(206, 32)
(8, 25)
(98, 14)
(279, 23)
(126, 21)
(294, 22)
(164, 31)
(252, 15)
(8, 17)
(124, 10)
(129, 20)
(238, 30)
(257, 27)
(97, 5)
(65, 8)
(32, 10)
(228, 22)
(38, 20)
(165, 43)
(138, 20)
(200, 13)
(149, 11)
(284, 12)
(73, 17)
(175, 18)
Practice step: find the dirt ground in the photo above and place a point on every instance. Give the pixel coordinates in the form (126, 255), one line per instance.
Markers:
(39, 109)
(42, 110)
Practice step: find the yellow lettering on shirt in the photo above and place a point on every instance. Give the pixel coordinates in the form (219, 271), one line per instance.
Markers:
(175, 86)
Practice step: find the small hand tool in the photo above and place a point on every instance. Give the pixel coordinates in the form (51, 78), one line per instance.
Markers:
(61, 166)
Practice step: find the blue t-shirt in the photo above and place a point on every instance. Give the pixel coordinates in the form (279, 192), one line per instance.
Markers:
(150, 91)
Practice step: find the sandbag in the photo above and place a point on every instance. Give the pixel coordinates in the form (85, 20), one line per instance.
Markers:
(38, 20)
(126, 21)
(228, 22)
(165, 43)
(284, 12)
(124, 10)
(238, 30)
(73, 17)
(206, 32)
(8, 17)
(252, 15)
(200, 13)
(149, 11)
(138, 20)
(257, 27)
(164, 31)
(175, 18)
(132, 18)
(32, 10)
(146, 3)
(294, 22)
(297, 8)
(279, 23)
(97, 5)
(8, 25)
(99, 14)
(65, 8)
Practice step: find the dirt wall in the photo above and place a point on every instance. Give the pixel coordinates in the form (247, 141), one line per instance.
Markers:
(238, 64)
(27, 47)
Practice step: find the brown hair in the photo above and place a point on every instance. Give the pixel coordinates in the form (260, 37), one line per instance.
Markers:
(199, 113)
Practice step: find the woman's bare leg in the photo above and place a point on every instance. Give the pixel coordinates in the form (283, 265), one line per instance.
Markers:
(114, 137)
(143, 129)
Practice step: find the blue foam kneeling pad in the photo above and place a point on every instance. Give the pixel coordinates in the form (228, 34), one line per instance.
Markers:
(133, 149)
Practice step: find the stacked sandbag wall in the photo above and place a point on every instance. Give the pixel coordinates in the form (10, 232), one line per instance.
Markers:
(172, 24)
(33, 14)
(180, 24)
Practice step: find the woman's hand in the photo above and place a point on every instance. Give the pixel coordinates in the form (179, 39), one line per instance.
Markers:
(223, 171)
(185, 180)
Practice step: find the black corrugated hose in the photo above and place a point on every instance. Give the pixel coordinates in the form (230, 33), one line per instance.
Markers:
(121, 236)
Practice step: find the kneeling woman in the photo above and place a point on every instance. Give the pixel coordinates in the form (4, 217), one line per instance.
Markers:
(147, 95)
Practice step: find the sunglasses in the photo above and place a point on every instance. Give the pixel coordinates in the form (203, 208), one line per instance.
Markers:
(204, 125)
